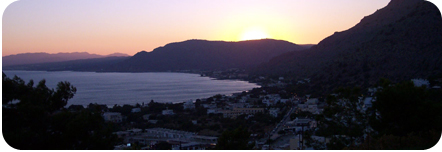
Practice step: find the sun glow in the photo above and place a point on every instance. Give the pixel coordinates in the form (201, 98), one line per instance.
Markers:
(254, 33)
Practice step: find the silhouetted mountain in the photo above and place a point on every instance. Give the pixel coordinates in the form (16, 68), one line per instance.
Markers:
(307, 46)
(32, 58)
(400, 41)
(95, 64)
(205, 55)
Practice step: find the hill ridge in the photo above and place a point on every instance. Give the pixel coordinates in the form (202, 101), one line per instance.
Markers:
(400, 41)
(204, 55)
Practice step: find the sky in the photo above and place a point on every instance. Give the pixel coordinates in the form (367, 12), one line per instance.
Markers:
(130, 26)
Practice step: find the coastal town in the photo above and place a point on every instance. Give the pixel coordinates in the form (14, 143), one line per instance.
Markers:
(275, 118)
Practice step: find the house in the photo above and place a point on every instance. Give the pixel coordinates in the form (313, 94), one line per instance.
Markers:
(239, 105)
(302, 106)
(135, 110)
(313, 124)
(243, 99)
(312, 101)
(371, 91)
(135, 131)
(421, 82)
(239, 111)
(268, 102)
(189, 146)
(214, 111)
(152, 121)
(301, 122)
(210, 106)
(274, 112)
(312, 108)
(146, 116)
(99, 107)
(167, 112)
(75, 108)
(189, 105)
(367, 103)
(284, 100)
(295, 143)
(243, 75)
(114, 117)
(168, 133)
(300, 82)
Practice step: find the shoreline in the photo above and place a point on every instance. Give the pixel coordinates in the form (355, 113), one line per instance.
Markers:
(133, 104)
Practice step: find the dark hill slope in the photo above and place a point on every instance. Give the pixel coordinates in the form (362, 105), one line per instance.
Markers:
(400, 41)
(205, 55)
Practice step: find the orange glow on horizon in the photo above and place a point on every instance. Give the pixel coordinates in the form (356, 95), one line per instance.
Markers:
(132, 26)
(254, 33)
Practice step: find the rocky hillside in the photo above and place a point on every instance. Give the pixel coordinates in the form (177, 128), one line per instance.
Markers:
(400, 41)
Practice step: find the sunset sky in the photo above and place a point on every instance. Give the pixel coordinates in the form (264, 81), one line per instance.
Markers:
(129, 26)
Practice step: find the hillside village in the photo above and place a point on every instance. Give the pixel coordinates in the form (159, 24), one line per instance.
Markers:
(275, 118)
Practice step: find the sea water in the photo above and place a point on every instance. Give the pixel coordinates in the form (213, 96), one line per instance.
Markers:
(133, 88)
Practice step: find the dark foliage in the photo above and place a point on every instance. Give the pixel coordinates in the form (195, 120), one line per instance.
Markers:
(234, 140)
(402, 117)
(34, 118)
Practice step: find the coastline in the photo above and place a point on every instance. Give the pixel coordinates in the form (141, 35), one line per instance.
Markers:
(132, 101)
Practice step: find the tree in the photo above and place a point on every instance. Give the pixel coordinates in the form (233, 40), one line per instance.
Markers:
(163, 146)
(343, 120)
(237, 139)
(35, 118)
(403, 109)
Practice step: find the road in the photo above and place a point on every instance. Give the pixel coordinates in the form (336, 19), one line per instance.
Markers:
(274, 134)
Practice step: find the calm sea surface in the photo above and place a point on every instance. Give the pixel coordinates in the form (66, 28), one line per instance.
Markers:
(132, 88)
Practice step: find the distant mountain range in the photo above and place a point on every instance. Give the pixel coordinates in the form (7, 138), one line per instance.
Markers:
(206, 55)
(398, 42)
(186, 55)
(91, 65)
(34, 58)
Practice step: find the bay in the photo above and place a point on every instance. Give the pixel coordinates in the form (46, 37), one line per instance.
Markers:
(132, 88)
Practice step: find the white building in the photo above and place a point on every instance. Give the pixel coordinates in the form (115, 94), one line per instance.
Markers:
(274, 112)
(210, 106)
(168, 112)
(421, 82)
(189, 105)
(312, 108)
(367, 102)
(134, 110)
(168, 133)
(114, 117)
(146, 116)
(312, 101)
(214, 111)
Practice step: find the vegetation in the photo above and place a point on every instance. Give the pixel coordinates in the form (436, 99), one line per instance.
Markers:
(237, 139)
(343, 119)
(402, 117)
(34, 118)
(409, 112)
